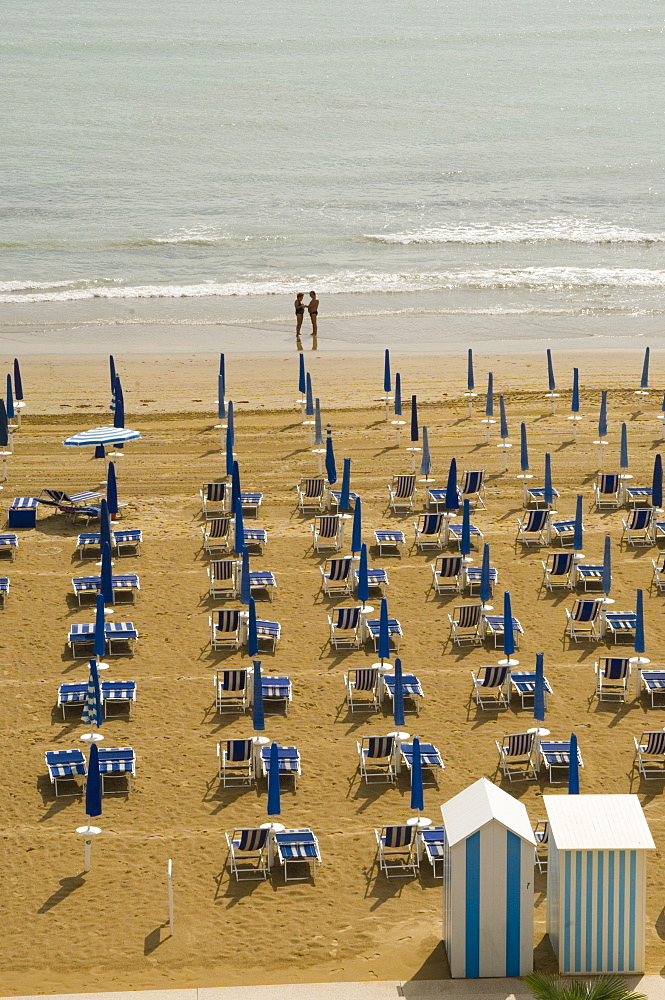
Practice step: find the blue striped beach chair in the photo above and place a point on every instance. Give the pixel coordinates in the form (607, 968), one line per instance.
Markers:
(296, 848)
(534, 497)
(288, 761)
(466, 624)
(376, 758)
(126, 584)
(248, 853)
(223, 578)
(411, 687)
(637, 496)
(559, 570)
(4, 590)
(9, 543)
(430, 759)
(345, 628)
(472, 576)
(119, 693)
(127, 539)
(431, 531)
(612, 678)
(584, 621)
(541, 833)
(66, 767)
(563, 531)
(434, 844)
(396, 851)
(235, 762)
(269, 633)
(472, 488)
(217, 535)
(312, 494)
(653, 683)
(390, 541)
(455, 534)
(214, 499)
(328, 533)
(494, 625)
(658, 578)
(74, 505)
(255, 538)
(117, 764)
(394, 631)
(534, 528)
(638, 529)
(621, 625)
(491, 687)
(72, 694)
(516, 756)
(365, 681)
(377, 579)
(402, 493)
(607, 491)
(650, 755)
(277, 690)
(555, 756)
(336, 576)
(225, 628)
(523, 683)
(448, 575)
(589, 575)
(250, 502)
(263, 579)
(120, 637)
(230, 690)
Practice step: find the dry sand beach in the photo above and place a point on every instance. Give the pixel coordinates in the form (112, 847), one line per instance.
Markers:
(64, 932)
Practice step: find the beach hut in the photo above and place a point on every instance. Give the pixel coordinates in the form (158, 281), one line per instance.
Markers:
(596, 882)
(488, 883)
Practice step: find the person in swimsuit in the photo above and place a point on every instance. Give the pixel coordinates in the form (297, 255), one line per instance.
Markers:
(300, 312)
(313, 307)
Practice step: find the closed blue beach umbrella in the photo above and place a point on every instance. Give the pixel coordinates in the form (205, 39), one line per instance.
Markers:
(309, 397)
(550, 372)
(222, 372)
(384, 634)
(104, 526)
(318, 427)
(92, 706)
(644, 381)
(229, 446)
(231, 425)
(245, 592)
(252, 635)
(489, 401)
(539, 691)
(524, 449)
(107, 575)
(485, 589)
(639, 646)
(238, 527)
(112, 375)
(573, 767)
(18, 385)
(258, 722)
(235, 486)
(346, 485)
(100, 635)
(452, 496)
(398, 697)
(426, 460)
(119, 401)
(331, 470)
(93, 785)
(112, 491)
(465, 540)
(504, 422)
(508, 633)
(470, 385)
(363, 584)
(302, 382)
(607, 567)
(398, 395)
(623, 456)
(657, 482)
(4, 428)
(221, 404)
(417, 795)
(414, 418)
(274, 803)
(577, 527)
(575, 400)
(356, 531)
(549, 489)
(10, 399)
(602, 417)
(386, 371)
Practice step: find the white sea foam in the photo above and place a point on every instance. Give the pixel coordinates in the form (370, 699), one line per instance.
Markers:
(205, 236)
(555, 230)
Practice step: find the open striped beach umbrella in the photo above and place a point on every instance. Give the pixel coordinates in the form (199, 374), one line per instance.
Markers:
(573, 768)
(258, 722)
(238, 527)
(318, 427)
(452, 496)
(274, 798)
(489, 401)
(92, 707)
(331, 470)
(578, 533)
(657, 482)
(417, 794)
(101, 435)
(112, 491)
(356, 531)
(384, 634)
(252, 635)
(302, 381)
(18, 384)
(524, 449)
(606, 578)
(93, 785)
(426, 460)
(414, 419)
(550, 372)
(644, 381)
(623, 455)
(470, 384)
(309, 397)
(539, 691)
(346, 485)
(386, 371)
(363, 583)
(245, 592)
(398, 697)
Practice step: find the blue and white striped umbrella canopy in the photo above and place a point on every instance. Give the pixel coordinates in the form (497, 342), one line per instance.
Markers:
(102, 435)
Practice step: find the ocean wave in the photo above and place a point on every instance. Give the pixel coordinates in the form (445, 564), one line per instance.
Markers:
(556, 230)
(203, 236)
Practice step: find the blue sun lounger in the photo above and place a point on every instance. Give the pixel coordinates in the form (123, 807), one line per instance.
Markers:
(288, 761)
(377, 579)
(66, 766)
(653, 681)
(263, 579)
(268, 632)
(475, 534)
(124, 634)
(9, 543)
(276, 689)
(494, 624)
(295, 847)
(523, 682)
(622, 625)
(250, 502)
(4, 590)
(472, 574)
(394, 631)
(116, 763)
(255, 538)
(434, 842)
(128, 538)
(74, 694)
(123, 583)
(555, 755)
(430, 760)
(411, 687)
(390, 541)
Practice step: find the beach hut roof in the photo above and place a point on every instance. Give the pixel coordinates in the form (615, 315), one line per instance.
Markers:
(598, 823)
(482, 803)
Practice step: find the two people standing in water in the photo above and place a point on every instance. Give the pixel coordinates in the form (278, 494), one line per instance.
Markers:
(313, 310)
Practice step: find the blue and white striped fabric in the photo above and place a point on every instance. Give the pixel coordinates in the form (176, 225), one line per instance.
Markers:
(385, 536)
(456, 530)
(468, 615)
(397, 836)
(655, 743)
(375, 577)
(276, 687)
(638, 492)
(215, 492)
(92, 708)
(614, 668)
(260, 579)
(72, 694)
(255, 536)
(227, 621)
(654, 680)
(347, 618)
(449, 566)
(337, 496)
(394, 627)
(434, 841)
(608, 483)
(536, 520)
(429, 755)
(127, 581)
(561, 563)
(234, 680)
(328, 526)
(411, 686)
(495, 624)
(621, 622)
(250, 840)
(24, 503)
(9, 540)
(431, 524)
(120, 760)
(266, 629)
(339, 569)
(586, 611)
(118, 690)
(473, 482)
(437, 496)
(102, 435)
(537, 493)
(65, 763)
(288, 759)
(378, 747)
(557, 752)
(563, 527)
(238, 751)
(4, 584)
(114, 630)
(525, 682)
(518, 744)
(294, 844)
(586, 572)
(492, 677)
(405, 487)
(365, 679)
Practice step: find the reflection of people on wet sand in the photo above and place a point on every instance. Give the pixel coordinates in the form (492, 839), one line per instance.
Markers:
(300, 312)
(315, 342)
(313, 307)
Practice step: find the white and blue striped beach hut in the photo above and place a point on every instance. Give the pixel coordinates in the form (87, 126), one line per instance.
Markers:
(596, 882)
(488, 915)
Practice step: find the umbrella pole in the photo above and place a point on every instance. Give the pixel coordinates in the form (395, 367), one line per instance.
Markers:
(88, 832)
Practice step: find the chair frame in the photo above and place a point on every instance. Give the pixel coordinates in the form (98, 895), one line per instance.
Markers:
(405, 854)
(608, 688)
(232, 772)
(642, 751)
(258, 854)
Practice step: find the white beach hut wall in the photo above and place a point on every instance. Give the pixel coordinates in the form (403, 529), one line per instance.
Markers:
(488, 915)
(596, 882)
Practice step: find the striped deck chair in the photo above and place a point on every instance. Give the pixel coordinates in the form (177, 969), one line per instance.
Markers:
(434, 842)
(336, 576)
(455, 534)
(345, 628)
(263, 579)
(402, 493)
(558, 570)
(248, 853)
(435, 500)
(534, 529)
(225, 629)
(495, 626)
(638, 496)
(71, 506)
(296, 848)
(117, 764)
(621, 625)
(217, 535)
(363, 680)
(491, 687)
(589, 575)
(255, 538)
(516, 756)
(268, 633)
(118, 693)
(66, 767)
(523, 683)
(638, 529)
(288, 762)
(472, 575)
(4, 590)
(250, 502)
(312, 494)
(658, 578)
(466, 624)
(606, 491)
(328, 533)
(396, 851)
(377, 579)
(448, 575)
(276, 689)
(375, 758)
(394, 632)
(612, 678)
(411, 687)
(431, 531)
(390, 542)
(472, 488)
(213, 499)
(555, 756)
(9, 543)
(72, 694)
(129, 538)
(230, 690)
(235, 762)
(653, 682)
(534, 497)
(584, 621)
(223, 576)
(650, 754)
(430, 759)
(541, 832)
(563, 531)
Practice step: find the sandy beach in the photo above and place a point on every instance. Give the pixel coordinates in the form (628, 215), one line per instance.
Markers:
(65, 932)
